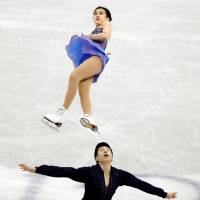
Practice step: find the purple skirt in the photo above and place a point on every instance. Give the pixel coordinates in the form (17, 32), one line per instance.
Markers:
(80, 48)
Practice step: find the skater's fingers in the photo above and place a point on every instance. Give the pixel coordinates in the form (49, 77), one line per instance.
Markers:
(23, 167)
(171, 195)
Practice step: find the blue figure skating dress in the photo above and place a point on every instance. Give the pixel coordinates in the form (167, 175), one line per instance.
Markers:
(81, 48)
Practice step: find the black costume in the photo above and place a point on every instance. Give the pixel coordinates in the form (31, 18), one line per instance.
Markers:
(93, 178)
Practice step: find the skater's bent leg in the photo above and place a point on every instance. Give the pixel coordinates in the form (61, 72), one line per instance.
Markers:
(87, 69)
(84, 93)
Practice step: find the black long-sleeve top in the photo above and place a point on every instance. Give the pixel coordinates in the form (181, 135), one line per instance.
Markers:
(93, 178)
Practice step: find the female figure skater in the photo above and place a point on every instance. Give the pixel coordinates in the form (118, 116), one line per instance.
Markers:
(101, 180)
(89, 58)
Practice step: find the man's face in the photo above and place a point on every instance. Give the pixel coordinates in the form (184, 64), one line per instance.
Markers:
(104, 154)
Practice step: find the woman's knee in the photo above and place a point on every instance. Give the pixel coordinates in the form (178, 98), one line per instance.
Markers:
(74, 77)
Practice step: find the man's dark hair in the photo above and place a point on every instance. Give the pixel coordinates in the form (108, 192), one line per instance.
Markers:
(108, 14)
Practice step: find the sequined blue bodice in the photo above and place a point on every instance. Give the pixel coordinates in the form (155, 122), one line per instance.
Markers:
(103, 44)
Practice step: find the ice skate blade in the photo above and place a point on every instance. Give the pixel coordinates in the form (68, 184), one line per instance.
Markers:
(58, 124)
(86, 123)
(54, 126)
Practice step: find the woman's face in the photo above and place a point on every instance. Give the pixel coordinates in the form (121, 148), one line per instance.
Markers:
(104, 154)
(99, 16)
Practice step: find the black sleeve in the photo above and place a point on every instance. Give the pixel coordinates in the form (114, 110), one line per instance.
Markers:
(130, 180)
(79, 175)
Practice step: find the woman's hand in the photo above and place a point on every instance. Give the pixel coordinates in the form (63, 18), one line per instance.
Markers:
(171, 195)
(108, 53)
(25, 167)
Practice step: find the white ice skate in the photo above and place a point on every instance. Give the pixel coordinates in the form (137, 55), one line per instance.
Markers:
(88, 122)
(54, 120)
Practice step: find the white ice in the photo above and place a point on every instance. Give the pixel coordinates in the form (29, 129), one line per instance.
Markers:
(146, 101)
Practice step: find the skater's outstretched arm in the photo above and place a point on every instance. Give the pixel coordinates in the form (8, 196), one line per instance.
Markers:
(78, 175)
(130, 180)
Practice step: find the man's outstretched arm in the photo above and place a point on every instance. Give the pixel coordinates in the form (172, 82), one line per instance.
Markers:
(130, 180)
(79, 174)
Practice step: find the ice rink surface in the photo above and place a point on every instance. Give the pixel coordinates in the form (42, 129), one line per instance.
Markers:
(146, 101)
